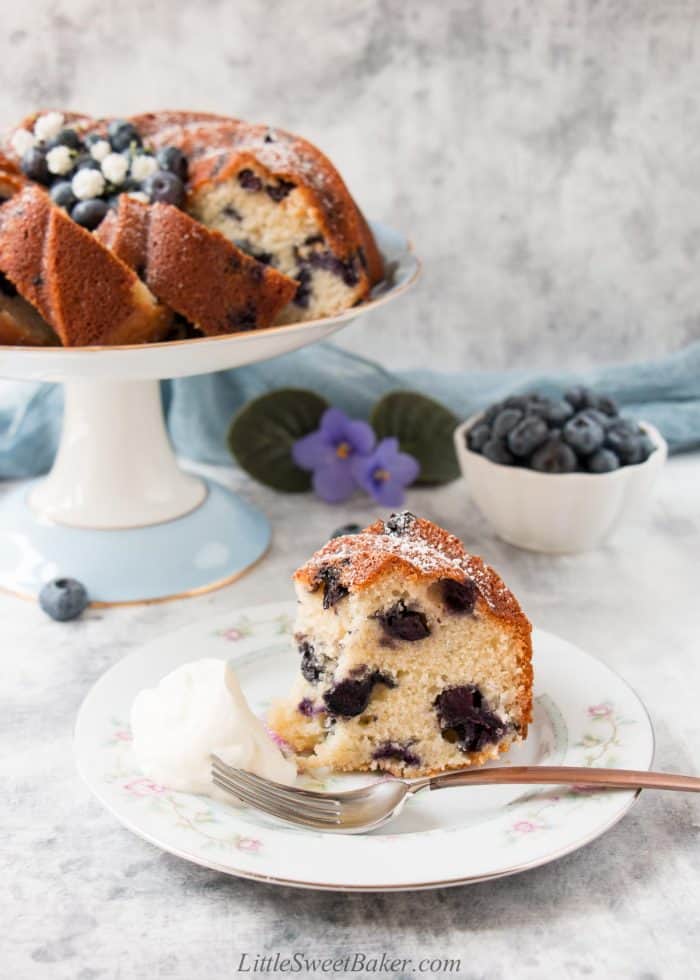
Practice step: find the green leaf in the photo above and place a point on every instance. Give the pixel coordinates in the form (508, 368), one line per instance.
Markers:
(263, 432)
(424, 429)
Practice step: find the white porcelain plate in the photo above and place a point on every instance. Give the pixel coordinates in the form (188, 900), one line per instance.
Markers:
(584, 715)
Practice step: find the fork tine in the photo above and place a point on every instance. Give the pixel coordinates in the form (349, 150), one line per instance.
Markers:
(292, 794)
(274, 791)
(288, 813)
(268, 792)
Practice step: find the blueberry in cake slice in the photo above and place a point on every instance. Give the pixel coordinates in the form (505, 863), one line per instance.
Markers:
(414, 655)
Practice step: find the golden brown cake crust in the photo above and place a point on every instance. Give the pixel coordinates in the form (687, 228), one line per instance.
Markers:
(86, 294)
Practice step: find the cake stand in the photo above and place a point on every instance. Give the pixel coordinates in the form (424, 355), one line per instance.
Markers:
(116, 511)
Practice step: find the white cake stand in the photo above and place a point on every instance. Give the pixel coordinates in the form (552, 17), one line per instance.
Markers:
(116, 511)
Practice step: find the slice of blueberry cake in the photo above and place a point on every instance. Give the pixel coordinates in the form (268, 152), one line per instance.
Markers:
(415, 657)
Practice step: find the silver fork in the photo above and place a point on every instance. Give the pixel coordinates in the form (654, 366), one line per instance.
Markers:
(360, 810)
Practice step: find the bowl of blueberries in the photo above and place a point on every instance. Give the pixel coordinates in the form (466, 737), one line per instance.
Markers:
(558, 474)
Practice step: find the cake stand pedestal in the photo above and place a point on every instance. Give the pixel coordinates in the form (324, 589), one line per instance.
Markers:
(116, 511)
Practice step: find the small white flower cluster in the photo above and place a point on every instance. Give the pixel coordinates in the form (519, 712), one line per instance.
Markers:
(46, 127)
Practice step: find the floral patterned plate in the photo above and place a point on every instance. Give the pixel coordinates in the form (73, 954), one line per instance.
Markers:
(584, 715)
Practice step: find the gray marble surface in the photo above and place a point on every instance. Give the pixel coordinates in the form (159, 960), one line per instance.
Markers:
(543, 156)
(83, 899)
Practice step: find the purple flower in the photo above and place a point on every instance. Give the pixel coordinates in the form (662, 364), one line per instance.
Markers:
(386, 472)
(329, 453)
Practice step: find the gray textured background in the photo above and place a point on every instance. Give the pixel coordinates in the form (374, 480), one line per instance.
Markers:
(544, 156)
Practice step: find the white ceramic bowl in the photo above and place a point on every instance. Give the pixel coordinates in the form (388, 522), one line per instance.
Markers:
(556, 513)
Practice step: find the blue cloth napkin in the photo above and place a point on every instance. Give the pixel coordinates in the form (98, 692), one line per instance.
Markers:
(665, 392)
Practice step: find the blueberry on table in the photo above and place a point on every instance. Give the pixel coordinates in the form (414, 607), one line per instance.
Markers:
(35, 166)
(122, 134)
(497, 453)
(603, 461)
(505, 421)
(62, 194)
(165, 187)
(346, 529)
(173, 160)
(583, 434)
(554, 457)
(90, 213)
(527, 435)
(478, 436)
(63, 599)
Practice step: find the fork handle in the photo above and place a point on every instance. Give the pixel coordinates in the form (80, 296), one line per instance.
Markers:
(568, 775)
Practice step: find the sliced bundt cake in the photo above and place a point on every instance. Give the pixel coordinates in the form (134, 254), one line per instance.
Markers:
(415, 657)
(195, 271)
(280, 199)
(84, 292)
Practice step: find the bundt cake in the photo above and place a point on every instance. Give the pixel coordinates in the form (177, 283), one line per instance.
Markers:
(271, 194)
(415, 657)
(195, 271)
(84, 292)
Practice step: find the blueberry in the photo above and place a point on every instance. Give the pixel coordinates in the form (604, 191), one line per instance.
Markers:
(605, 404)
(603, 461)
(505, 421)
(464, 716)
(583, 434)
(578, 397)
(35, 167)
(478, 436)
(122, 134)
(62, 194)
(628, 441)
(346, 529)
(600, 417)
(67, 137)
(527, 435)
(351, 696)
(173, 160)
(459, 597)
(249, 181)
(497, 453)
(165, 187)
(306, 707)
(554, 457)
(400, 751)
(87, 163)
(553, 410)
(90, 213)
(401, 623)
(63, 599)
(333, 591)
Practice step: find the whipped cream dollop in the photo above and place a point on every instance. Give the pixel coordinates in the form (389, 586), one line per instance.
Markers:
(198, 709)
